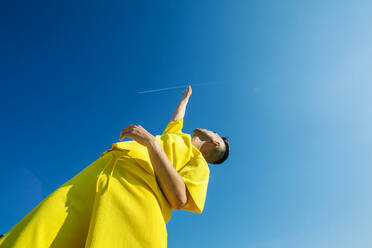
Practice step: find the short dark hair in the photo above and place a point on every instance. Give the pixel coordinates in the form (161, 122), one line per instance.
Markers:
(226, 153)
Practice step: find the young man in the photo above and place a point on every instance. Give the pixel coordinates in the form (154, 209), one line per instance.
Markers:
(125, 198)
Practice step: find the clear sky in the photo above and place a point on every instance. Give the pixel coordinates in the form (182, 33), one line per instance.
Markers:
(289, 82)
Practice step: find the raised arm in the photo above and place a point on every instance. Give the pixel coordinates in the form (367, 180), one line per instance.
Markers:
(179, 112)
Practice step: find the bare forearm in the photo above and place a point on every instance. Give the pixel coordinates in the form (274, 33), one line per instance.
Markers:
(179, 112)
(168, 178)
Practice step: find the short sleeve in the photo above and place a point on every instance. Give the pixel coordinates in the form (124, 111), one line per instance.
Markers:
(174, 126)
(196, 177)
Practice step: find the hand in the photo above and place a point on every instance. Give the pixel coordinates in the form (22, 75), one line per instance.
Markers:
(137, 133)
(187, 93)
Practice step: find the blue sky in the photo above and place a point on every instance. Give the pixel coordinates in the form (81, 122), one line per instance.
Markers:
(289, 83)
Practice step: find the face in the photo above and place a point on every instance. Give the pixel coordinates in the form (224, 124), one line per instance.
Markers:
(205, 134)
(212, 138)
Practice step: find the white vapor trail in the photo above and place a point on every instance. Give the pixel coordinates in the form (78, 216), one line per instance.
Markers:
(169, 88)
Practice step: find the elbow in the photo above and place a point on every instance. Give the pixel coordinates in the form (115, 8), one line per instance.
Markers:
(180, 204)
(183, 200)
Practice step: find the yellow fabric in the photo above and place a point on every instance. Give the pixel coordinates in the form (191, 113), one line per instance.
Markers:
(115, 201)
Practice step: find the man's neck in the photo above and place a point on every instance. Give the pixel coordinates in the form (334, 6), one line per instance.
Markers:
(197, 142)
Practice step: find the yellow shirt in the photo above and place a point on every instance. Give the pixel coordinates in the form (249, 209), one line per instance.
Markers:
(115, 201)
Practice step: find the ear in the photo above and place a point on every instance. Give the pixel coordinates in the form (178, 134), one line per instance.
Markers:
(217, 143)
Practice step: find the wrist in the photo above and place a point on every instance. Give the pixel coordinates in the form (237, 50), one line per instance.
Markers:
(152, 141)
(185, 100)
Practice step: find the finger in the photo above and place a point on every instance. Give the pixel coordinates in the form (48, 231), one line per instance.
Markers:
(125, 131)
(122, 135)
(130, 132)
(125, 134)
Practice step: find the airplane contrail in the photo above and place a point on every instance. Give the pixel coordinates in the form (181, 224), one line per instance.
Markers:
(169, 88)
